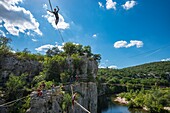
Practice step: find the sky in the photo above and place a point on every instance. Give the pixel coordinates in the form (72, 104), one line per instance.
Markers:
(125, 32)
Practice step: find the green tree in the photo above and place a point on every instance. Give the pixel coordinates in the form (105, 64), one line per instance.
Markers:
(15, 86)
(53, 51)
(87, 50)
(64, 77)
(70, 48)
(4, 47)
(97, 57)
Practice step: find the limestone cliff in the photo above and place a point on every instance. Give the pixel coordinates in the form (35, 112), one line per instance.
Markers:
(87, 91)
(88, 99)
(87, 71)
(10, 64)
(51, 102)
(87, 68)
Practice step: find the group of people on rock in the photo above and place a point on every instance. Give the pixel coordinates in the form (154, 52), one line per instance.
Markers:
(41, 91)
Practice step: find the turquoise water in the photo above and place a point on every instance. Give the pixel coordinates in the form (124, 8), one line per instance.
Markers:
(107, 105)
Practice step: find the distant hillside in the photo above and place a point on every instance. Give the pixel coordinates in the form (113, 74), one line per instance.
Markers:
(160, 69)
(146, 74)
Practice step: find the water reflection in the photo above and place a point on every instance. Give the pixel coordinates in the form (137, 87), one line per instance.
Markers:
(107, 105)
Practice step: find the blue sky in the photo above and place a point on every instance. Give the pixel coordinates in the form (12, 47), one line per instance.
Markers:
(125, 32)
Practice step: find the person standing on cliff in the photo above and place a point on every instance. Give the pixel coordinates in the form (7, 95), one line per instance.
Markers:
(73, 99)
(43, 88)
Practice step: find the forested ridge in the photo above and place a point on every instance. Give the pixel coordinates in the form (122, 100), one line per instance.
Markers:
(146, 74)
(144, 86)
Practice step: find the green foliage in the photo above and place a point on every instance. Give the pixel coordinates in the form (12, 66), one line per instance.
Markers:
(70, 48)
(14, 86)
(146, 75)
(4, 47)
(87, 50)
(25, 105)
(66, 102)
(64, 77)
(53, 67)
(53, 51)
(27, 55)
(39, 78)
(153, 99)
(97, 57)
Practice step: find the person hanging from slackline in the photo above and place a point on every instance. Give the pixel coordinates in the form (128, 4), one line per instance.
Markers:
(55, 12)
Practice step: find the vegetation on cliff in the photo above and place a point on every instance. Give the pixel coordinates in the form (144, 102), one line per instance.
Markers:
(58, 67)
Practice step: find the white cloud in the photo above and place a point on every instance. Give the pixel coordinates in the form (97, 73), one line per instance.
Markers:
(100, 5)
(129, 4)
(113, 67)
(167, 59)
(2, 33)
(101, 66)
(51, 19)
(44, 48)
(13, 51)
(135, 42)
(45, 6)
(94, 35)
(110, 4)
(17, 19)
(34, 40)
(121, 44)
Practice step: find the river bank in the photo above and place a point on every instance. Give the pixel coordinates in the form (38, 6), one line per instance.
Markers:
(124, 101)
(121, 100)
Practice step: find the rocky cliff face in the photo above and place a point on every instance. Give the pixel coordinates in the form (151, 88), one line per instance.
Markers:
(13, 65)
(88, 99)
(87, 91)
(51, 102)
(87, 68)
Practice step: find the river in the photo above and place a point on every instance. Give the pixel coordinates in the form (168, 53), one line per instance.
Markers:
(107, 105)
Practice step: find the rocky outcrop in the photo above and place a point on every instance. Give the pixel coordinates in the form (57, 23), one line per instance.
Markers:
(13, 65)
(50, 103)
(88, 98)
(87, 67)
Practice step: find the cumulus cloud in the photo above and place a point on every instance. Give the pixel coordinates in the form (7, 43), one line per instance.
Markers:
(100, 5)
(51, 19)
(113, 67)
(167, 59)
(44, 48)
(136, 43)
(129, 4)
(121, 44)
(94, 35)
(45, 6)
(110, 4)
(17, 19)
